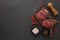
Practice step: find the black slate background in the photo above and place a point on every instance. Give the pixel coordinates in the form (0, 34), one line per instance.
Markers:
(15, 22)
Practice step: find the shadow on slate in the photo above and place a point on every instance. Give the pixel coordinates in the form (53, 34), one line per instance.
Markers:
(15, 23)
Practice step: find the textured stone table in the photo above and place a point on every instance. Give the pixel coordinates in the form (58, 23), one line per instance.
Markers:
(15, 22)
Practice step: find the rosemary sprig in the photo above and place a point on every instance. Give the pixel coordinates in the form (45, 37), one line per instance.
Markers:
(51, 18)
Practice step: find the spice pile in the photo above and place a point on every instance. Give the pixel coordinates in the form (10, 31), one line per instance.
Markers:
(43, 22)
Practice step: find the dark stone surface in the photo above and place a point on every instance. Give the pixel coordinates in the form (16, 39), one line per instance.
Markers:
(15, 22)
